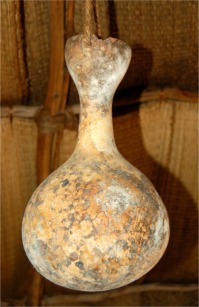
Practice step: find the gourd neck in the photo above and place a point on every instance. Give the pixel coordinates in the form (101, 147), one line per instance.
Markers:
(97, 70)
(96, 127)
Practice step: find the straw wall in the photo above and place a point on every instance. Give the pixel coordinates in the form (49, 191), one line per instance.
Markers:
(163, 36)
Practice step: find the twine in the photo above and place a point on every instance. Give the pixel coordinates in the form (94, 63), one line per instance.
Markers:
(88, 21)
(98, 27)
(53, 124)
(50, 124)
(91, 13)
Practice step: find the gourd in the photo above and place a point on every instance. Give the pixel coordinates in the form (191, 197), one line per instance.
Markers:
(96, 223)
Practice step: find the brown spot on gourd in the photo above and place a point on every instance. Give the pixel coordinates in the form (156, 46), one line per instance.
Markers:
(55, 188)
(79, 264)
(122, 244)
(42, 247)
(101, 220)
(73, 256)
(38, 202)
(64, 182)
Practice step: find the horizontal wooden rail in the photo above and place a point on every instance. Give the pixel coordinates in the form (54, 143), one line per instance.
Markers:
(132, 289)
(167, 94)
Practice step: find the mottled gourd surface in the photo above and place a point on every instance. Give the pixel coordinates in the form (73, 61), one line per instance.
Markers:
(96, 223)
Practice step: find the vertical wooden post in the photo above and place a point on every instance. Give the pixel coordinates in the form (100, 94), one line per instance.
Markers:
(57, 92)
(55, 87)
(66, 83)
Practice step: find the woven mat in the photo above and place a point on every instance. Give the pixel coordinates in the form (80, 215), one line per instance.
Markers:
(18, 171)
(14, 86)
(37, 27)
(163, 36)
(25, 51)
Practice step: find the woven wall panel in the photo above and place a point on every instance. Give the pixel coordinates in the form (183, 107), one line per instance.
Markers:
(18, 173)
(36, 14)
(14, 87)
(163, 36)
(177, 135)
(174, 126)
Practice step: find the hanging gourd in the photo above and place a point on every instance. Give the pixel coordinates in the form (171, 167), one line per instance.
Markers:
(96, 223)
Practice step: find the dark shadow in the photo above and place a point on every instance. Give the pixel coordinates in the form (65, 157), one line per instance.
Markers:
(137, 76)
(113, 28)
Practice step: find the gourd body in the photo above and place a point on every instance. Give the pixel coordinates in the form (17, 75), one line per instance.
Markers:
(96, 223)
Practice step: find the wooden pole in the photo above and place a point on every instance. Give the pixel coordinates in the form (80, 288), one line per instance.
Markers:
(66, 83)
(54, 98)
(55, 87)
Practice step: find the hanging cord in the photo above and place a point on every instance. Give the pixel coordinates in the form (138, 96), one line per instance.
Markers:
(88, 20)
(97, 19)
(91, 13)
